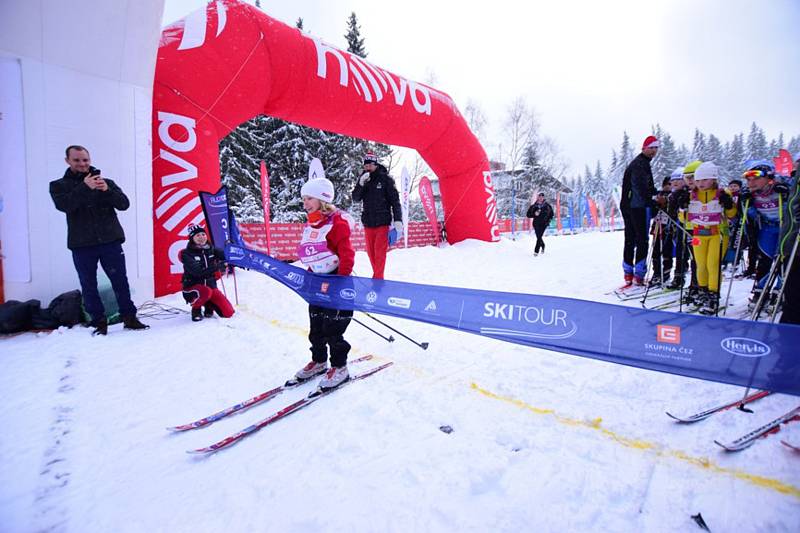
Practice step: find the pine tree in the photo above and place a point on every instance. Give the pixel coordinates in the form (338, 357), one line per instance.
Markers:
(355, 43)
(794, 146)
(756, 147)
(299, 23)
(667, 158)
(699, 146)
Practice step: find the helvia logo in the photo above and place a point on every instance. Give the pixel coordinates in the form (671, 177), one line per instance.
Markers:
(744, 347)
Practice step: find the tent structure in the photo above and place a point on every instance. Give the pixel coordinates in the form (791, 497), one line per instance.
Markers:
(78, 72)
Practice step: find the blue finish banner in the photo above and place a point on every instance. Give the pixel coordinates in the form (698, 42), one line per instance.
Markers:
(738, 352)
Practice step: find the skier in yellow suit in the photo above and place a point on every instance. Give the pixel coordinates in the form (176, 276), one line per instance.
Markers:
(708, 214)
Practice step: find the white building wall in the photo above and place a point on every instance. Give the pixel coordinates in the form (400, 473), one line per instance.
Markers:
(87, 75)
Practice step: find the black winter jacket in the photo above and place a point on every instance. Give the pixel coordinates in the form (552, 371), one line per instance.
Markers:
(381, 200)
(637, 184)
(91, 214)
(200, 265)
(540, 213)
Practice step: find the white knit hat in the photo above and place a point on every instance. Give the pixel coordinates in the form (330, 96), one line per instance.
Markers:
(707, 171)
(319, 188)
(677, 174)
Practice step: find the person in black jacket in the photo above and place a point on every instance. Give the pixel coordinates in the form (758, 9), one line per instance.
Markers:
(201, 265)
(637, 195)
(381, 204)
(94, 234)
(541, 212)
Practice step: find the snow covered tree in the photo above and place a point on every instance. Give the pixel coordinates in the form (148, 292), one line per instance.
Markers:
(756, 146)
(699, 146)
(520, 129)
(355, 42)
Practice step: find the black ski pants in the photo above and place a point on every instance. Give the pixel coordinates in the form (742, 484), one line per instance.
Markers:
(539, 230)
(327, 330)
(636, 236)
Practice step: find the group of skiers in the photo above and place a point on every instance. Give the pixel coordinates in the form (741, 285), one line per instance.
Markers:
(699, 227)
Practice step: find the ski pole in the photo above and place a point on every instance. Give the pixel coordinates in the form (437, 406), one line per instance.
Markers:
(235, 287)
(222, 280)
(378, 333)
(423, 345)
(650, 255)
(736, 255)
(766, 288)
(786, 272)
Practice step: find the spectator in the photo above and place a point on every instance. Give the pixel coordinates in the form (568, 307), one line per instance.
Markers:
(541, 212)
(637, 195)
(202, 265)
(94, 234)
(381, 204)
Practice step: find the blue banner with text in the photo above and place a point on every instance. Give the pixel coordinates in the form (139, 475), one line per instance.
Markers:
(738, 352)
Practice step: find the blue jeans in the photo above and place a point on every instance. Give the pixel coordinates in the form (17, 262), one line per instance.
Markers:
(112, 259)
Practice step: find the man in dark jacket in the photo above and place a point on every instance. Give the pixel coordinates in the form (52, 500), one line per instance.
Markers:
(787, 246)
(381, 204)
(95, 234)
(541, 212)
(637, 195)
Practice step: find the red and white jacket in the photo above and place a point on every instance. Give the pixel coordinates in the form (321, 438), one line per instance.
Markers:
(325, 246)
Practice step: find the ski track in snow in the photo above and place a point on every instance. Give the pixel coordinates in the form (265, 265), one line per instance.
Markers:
(541, 441)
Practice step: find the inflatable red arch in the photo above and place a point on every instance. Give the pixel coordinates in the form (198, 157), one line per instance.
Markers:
(229, 62)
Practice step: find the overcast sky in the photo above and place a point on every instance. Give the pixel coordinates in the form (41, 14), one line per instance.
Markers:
(591, 69)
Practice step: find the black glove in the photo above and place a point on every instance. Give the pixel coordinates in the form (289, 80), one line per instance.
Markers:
(781, 188)
(745, 195)
(726, 200)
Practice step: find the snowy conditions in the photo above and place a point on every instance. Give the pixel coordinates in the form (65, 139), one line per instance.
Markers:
(540, 441)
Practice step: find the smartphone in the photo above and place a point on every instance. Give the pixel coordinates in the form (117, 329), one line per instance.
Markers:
(95, 173)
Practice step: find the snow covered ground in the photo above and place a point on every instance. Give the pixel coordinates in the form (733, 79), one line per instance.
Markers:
(541, 441)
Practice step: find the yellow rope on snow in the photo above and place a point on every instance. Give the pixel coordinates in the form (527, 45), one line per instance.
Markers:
(638, 444)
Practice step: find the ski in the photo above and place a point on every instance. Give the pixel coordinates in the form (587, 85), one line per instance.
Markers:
(284, 412)
(748, 439)
(242, 406)
(631, 293)
(702, 415)
(789, 445)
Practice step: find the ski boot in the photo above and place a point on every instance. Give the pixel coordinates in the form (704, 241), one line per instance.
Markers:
(676, 283)
(710, 304)
(197, 314)
(307, 372)
(334, 377)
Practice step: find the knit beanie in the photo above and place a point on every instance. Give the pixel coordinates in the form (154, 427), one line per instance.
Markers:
(319, 188)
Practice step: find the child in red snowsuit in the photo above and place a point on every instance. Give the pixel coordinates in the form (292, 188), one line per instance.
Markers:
(202, 263)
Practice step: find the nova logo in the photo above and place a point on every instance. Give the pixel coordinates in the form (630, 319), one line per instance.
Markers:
(194, 25)
(372, 297)
(177, 206)
(744, 347)
(403, 303)
(491, 205)
(668, 334)
(369, 81)
(347, 294)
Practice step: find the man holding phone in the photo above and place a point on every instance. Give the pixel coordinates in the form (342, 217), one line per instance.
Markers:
(94, 235)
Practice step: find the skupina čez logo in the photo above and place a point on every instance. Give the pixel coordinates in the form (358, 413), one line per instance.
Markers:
(744, 347)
